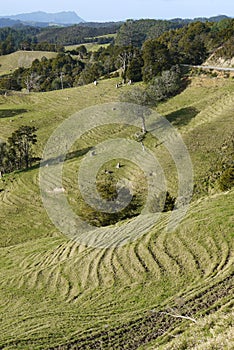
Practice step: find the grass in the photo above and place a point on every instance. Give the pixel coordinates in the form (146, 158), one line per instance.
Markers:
(57, 294)
(91, 47)
(11, 62)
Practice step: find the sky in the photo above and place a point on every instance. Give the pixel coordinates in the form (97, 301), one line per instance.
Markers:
(108, 10)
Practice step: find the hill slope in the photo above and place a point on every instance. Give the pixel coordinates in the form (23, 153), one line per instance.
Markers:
(24, 59)
(58, 294)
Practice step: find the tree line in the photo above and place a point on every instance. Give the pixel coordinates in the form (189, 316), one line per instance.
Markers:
(191, 44)
(51, 38)
(11, 39)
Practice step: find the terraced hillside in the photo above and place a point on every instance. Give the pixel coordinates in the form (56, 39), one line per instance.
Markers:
(165, 290)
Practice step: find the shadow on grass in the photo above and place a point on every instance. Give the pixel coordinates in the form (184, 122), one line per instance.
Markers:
(57, 160)
(6, 113)
(183, 116)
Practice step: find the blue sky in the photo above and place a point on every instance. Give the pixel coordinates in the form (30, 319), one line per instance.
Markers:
(104, 10)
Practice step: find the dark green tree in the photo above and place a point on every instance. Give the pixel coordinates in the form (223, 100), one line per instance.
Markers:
(3, 157)
(156, 58)
(134, 70)
(21, 145)
(226, 181)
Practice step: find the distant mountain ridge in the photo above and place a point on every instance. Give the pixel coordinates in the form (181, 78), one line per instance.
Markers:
(65, 17)
(42, 19)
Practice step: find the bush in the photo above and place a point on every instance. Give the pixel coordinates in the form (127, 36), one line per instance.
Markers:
(163, 202)
(226, 181)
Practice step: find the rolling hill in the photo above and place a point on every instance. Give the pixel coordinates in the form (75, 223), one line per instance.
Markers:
(65, 17)
(11, 62)
(165, 290)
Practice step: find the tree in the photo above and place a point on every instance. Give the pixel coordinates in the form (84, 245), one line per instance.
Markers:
(156, 58)
(135, 32)
(3, 157)
(124, 58)
(82, 51)
(90, 73)
(9, 82)
(162, 202)
(31, 82)
(132, 33)
(159, 89)
(141, 99)
(226, 181)
(20, 146)
(166, 85)
(134, 70)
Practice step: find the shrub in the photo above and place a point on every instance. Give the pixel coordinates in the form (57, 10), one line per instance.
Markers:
(226, 181)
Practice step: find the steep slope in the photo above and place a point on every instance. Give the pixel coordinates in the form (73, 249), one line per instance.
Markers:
(58, 294)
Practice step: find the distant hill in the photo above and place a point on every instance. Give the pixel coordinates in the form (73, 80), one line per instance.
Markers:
(66, 17)
(212, 19)
(6, 22)
(200, 19)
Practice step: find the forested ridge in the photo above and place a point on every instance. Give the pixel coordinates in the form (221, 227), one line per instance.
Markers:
(132, 55)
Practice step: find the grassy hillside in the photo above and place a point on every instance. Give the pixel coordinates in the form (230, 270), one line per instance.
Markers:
(89, 46)
(18, 59)
(57, 294)
(94, 46)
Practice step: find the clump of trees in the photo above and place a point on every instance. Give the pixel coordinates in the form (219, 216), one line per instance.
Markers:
(52, 38)
(17, 152)
(107, 187)
(136, 32)
(168, 84)
(156, 58)
(160, 88)
(42, 46)
(24, 38)
(11, 39)
(226, 51)
(47, 74)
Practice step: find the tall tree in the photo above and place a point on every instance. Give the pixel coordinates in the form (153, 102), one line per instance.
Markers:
(134, 70)
(156, 58)
(20, 144)
(124, 58)
(141, 99)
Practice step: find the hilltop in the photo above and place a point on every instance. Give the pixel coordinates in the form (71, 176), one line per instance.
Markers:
(65, 17)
